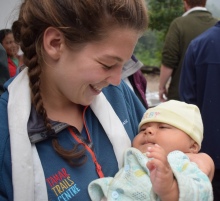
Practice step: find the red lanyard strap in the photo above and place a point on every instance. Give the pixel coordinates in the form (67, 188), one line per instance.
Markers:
(98, 166)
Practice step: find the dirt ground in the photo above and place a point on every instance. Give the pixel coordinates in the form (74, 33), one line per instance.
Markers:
(152, 95)
(152, 82)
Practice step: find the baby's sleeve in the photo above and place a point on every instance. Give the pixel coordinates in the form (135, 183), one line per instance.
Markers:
(193, 183)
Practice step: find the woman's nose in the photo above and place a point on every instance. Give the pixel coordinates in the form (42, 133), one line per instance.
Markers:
(115, 76)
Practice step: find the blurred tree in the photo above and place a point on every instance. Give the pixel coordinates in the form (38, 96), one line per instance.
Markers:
(149, 46)
(161, 14)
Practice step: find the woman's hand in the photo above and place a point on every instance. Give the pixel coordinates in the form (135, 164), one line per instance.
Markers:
(204, 162)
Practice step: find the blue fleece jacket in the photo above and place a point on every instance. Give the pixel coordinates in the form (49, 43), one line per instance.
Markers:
(64, 182)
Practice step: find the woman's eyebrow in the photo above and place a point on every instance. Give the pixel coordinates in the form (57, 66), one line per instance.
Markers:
(113, 57)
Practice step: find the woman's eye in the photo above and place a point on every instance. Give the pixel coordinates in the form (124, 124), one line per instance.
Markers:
(107, 67)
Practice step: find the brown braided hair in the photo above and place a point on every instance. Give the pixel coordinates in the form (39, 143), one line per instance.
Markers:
(80, 21)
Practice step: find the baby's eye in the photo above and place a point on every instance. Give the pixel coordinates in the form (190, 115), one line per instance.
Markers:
(163, 127)
(142, 129)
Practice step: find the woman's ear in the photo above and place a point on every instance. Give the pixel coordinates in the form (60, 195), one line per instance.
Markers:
(194, 148)
(52, 41)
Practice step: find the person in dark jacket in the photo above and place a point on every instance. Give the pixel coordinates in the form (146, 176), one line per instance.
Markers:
(199, 85)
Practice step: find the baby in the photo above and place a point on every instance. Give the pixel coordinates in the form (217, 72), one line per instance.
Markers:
(158, 166)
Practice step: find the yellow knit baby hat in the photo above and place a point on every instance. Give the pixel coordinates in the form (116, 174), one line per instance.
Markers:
(181, 115)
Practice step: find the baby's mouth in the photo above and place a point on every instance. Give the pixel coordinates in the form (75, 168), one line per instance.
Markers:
(149, 144)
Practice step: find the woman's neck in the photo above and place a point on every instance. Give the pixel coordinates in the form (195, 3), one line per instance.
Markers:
(61, 109)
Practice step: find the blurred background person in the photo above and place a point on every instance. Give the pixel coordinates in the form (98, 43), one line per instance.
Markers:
(182, 30)
(12, 49)
(199, 85)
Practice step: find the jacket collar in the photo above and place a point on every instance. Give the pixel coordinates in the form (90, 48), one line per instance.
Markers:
(36, 129)
(197, 8)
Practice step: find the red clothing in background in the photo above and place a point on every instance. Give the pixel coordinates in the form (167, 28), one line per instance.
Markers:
(12, 67)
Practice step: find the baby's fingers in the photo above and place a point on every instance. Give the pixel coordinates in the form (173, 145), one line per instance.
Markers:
(157, 152)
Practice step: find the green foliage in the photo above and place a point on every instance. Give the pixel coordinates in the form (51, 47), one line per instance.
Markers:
(161, 14)
(148, 49)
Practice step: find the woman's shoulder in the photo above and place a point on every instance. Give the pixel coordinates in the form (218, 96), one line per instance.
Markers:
(122, 90)
(3, 115)
(4, 128)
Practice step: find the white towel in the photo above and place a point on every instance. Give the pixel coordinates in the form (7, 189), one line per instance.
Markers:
(27, 172)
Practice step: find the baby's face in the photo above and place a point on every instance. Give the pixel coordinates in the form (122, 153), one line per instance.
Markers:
(168, 137)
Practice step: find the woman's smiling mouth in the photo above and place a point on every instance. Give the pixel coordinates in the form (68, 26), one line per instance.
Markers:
(96, 89)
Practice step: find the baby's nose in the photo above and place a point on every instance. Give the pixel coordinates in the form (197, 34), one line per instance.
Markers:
(150, 130)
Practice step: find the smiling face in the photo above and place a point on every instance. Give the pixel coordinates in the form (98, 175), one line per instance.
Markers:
(9, 44)
(165, 135)
(78, 76)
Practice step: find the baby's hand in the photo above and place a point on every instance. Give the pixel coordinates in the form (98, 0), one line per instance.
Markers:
(161, 175)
